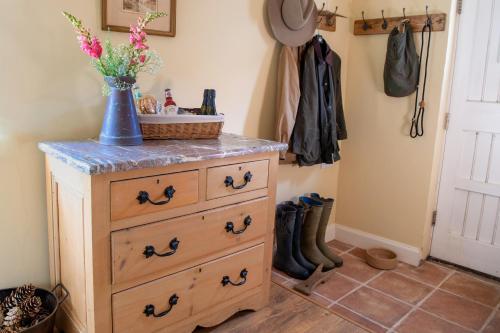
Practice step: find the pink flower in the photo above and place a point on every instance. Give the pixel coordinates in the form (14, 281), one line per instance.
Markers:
(142, 58)
(91, 47)
(141, 46)
(138, 38)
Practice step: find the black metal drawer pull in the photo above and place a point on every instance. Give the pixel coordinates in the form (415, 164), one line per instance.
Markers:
(149, 310)
(247, 178)
(227, 280)
(143, 197)
(150, 251)
(246, 222)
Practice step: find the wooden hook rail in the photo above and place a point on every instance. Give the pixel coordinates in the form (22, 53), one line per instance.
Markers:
(327, 21)
(417, 22)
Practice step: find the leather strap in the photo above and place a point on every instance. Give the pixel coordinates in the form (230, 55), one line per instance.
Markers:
(417, 122)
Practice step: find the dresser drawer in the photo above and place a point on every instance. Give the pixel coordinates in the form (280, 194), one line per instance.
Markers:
(142, 196)
(237, 178)
(161, 248)
(197, 289)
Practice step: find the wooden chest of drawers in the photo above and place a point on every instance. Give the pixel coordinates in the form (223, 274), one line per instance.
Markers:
(163, 248)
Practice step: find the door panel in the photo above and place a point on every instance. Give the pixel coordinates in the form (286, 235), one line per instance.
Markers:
(466, 231)
(485, 63)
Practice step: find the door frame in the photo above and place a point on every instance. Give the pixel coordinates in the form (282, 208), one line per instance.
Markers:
(445, 113)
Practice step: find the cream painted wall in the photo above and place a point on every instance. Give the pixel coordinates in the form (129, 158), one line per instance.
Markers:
(48, 91)
(387, 181)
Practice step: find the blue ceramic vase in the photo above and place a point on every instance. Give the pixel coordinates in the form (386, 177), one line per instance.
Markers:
(120, 126)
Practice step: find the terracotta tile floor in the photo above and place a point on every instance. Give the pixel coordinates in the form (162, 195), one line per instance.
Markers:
(430, 298)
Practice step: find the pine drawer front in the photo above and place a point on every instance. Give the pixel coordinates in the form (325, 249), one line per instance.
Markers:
(236, 178)
(189, 240)
(198, 289)
(142, 196)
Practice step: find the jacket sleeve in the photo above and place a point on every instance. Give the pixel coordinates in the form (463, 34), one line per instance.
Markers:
(339, 107)
(306, 136)
(288, 95)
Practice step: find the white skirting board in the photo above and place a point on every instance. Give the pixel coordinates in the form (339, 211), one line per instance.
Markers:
(406, 253)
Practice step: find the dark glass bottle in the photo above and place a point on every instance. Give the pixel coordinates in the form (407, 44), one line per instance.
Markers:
(209, 103)
(204, 105)
(212, 100)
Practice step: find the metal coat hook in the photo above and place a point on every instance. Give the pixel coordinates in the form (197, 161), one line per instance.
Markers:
(331, 18)
(429, 18)
(322, 8)
(385, 24)
(404, 13)
(366, 26)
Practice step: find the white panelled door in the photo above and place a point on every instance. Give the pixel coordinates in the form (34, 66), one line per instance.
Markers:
(467, 230)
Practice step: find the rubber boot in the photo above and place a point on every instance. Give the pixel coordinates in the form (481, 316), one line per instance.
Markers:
(296, 248)
(309, 247)
(283, 259)
(323, 224)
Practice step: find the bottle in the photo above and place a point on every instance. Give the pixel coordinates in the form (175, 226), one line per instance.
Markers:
(137, 96)
(170, 107)
(209, 102)
(214, 107)
(204, 105)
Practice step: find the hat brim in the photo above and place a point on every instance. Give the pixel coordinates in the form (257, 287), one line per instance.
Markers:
(284, 34)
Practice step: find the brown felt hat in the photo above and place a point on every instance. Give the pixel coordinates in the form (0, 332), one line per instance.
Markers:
(293, 21)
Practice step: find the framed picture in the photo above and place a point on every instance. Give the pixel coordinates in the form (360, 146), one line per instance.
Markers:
(119, 15)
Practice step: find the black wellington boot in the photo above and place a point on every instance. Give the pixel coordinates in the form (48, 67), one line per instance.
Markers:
(296, 250)
(283, 259)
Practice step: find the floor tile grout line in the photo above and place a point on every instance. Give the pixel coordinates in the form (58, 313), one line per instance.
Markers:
(409, 304)
(416, 306)
(444, 290)
(467, 273)
(414, 279)
(361, 315)
(446, 320)
(377, 290)
(466, 298)
(353, 291)
(341, 252)
(323, 296)
(490, 318)
(336, 302)
(438, 287)
(482, 279)
(329, 307)
(360, 286)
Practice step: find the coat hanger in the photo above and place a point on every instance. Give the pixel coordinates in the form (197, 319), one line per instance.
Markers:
(318, 35)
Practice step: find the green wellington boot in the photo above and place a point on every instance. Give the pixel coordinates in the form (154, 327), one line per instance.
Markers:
(323, 224)
(308, 244)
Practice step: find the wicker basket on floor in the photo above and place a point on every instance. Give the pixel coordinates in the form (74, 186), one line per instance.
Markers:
(155, 127)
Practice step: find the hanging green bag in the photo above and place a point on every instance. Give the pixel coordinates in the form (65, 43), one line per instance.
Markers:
(402, 63)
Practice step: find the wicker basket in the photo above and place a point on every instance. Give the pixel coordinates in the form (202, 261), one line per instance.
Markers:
(156, 127)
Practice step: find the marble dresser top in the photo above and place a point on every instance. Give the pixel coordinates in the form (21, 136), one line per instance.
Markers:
(89, 157)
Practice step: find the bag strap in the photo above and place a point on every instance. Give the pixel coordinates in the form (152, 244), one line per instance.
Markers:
(417, 122)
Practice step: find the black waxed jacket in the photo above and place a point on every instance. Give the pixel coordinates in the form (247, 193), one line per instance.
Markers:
(320, 118)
